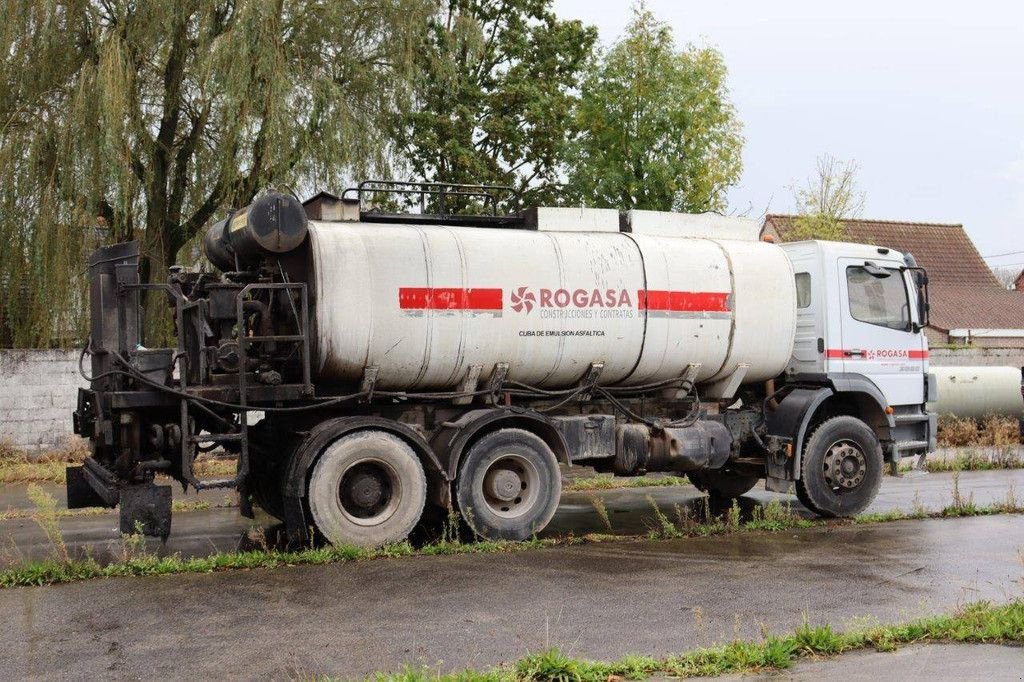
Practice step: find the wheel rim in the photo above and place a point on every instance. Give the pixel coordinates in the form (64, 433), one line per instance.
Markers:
(845, 466)
(369, 492)
(511, 485)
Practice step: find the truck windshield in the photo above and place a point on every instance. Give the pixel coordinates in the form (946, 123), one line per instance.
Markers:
(878, 300)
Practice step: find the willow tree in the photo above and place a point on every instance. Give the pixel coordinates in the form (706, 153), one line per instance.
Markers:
(658, 130)
(141, 119)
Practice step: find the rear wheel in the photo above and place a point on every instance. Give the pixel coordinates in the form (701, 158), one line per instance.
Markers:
(722, 484)
(508, 485)
(367, 489)
(841, 470)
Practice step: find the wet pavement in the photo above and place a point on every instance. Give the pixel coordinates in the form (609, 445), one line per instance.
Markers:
(598, 601)
(629, 511)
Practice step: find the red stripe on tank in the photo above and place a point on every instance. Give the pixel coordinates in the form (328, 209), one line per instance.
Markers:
(448, 298)
(684, 301)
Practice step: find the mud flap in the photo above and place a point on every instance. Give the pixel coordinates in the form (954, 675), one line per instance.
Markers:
(295, 523)
(146, 509)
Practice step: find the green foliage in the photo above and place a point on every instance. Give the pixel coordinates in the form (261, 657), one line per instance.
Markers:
(125, 120)
(828, 197)
(494, 95)
(817, 226)
(657, 128)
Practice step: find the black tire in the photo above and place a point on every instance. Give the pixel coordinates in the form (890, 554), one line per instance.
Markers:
(508, 485)
(724, 485)
(842, 468)
(366, 489)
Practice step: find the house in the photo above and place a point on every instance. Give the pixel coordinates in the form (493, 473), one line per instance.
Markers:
(968, 304)
(1018, 284)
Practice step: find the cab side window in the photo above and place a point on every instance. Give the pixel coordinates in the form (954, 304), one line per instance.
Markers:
(878, 300)
(803, 290)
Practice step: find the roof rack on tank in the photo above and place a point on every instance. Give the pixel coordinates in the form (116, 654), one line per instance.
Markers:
(433, 203)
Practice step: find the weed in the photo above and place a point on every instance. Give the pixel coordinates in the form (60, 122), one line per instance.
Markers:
(550, 666)
(960, 506)
(917, 507)
(817, 639)
(957, 432)
(47, 518)
(602, 511)
(732, 517)
(666, 529)
(1010, 505)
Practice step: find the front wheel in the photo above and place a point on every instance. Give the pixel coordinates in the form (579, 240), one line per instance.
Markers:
(367, 489)
(841, 470)
(508, 486)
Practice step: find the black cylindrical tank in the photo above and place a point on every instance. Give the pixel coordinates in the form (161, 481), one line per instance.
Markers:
(274, 223)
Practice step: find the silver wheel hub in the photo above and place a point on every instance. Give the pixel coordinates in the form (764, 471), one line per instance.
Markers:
(511, 485)
(845, 466)
(503, 484)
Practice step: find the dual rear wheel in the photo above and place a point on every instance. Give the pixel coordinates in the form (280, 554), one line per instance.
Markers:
(369, 488)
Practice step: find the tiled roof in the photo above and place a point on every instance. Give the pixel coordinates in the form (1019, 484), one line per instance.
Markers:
(969, 306)
(964, 292)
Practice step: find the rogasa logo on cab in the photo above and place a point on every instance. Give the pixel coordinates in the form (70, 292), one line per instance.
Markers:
(525, 299)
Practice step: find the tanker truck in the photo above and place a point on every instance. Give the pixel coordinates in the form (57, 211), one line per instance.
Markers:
(377, 365)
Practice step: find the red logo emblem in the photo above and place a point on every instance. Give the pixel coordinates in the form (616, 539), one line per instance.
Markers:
(522, 298)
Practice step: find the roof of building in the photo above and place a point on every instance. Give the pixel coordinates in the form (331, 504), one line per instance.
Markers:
(320, 195)
(964, 292)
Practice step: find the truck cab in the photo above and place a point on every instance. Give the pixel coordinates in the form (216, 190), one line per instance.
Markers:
(861, 314)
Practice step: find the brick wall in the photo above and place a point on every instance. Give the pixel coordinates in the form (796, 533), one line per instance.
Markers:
(38, 392)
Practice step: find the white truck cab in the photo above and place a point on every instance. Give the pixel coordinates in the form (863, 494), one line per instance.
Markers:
(861, 313)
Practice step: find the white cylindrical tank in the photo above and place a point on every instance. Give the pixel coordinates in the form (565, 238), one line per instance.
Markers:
(426, 305)
(978, 391)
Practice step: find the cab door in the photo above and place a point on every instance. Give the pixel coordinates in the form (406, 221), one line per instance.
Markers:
(881, 339)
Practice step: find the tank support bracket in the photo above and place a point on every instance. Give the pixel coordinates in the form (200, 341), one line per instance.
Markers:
(369, 381)
(589, 380)
(725, 389)
(469, 385)
(685, 387)
(497, 380)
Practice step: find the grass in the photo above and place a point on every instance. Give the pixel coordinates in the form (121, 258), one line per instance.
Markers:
(977, 622)
(17, 466)
(609, 482)
(20, 466)
(176, 506)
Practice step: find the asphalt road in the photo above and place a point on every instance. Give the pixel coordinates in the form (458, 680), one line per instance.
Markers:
(600, 601)
(199, 533)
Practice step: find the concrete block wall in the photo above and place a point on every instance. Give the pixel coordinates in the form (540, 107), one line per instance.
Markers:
(38, 393)
(976, 357)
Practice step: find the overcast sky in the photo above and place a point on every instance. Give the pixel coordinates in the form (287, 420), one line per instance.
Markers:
(926, 95)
